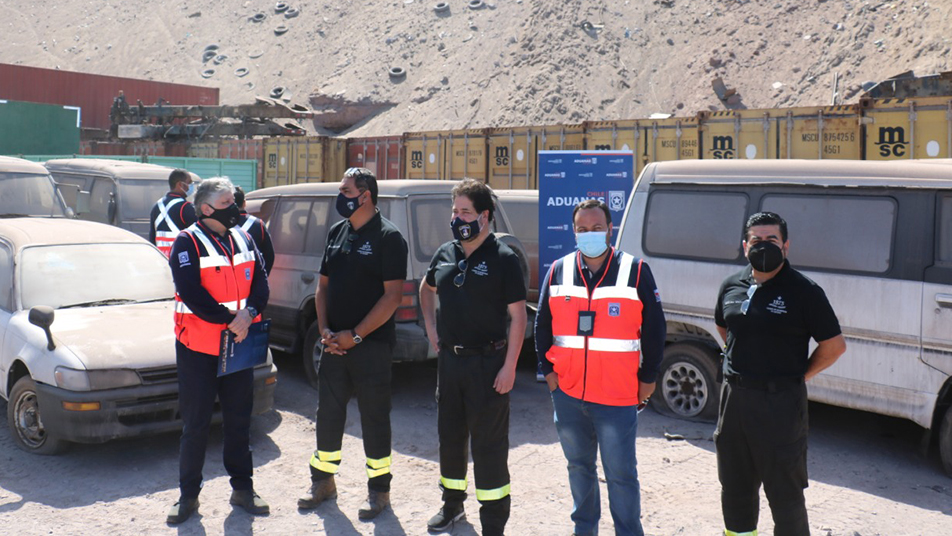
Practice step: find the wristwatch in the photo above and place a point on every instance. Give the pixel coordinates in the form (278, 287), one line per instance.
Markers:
(252, 311)
(357, 338)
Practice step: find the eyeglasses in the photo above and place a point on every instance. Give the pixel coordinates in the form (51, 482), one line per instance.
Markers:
(461, 276)
(745, 305)
(349, 243)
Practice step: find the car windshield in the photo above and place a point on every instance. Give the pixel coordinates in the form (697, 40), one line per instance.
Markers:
(136, 197)
(23, 194)
(76, 275)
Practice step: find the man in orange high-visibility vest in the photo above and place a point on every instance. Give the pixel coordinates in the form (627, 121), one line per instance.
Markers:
(173, 213)
(600, 334)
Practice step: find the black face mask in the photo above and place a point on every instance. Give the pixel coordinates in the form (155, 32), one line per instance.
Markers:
(465, 230)
(227, 216)
(765, 256)
(346, 206)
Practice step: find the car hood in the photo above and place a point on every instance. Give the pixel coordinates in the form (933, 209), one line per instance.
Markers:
(119, 336)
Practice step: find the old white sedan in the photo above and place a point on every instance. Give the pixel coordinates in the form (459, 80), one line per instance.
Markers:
(86, 324)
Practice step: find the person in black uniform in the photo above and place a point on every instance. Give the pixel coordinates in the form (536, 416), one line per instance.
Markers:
(478, 280)
(360, 288)
(173, 213)
(256, 228)
(767, 313)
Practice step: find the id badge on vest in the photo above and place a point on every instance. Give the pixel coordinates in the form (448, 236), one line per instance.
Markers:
(586, 323)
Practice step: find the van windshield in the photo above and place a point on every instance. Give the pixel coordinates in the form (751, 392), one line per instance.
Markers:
(136, 197)
(24, 194)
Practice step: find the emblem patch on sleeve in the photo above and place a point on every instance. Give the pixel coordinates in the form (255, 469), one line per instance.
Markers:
(183, 259)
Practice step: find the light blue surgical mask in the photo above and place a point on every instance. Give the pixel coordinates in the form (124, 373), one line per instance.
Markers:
(191, 190)
(592, 244)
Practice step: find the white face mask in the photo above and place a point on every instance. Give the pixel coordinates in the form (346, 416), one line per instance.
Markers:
(592, 244)
(191, 190)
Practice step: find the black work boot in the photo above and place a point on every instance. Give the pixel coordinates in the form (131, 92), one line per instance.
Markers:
(445, 518)
(182, 510)
(250, 501)
(375, 503)
(319, 492)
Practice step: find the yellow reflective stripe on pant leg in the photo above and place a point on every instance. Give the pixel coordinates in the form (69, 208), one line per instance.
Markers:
(454, 484)
(321, 460)
(378, 467)
(732, 533)
(492, 494)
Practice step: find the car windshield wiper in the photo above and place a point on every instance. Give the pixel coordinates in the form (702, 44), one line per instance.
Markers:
(111, 301)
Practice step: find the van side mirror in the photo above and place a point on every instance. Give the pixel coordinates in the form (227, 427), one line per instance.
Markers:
(82, 202)
(42, 317)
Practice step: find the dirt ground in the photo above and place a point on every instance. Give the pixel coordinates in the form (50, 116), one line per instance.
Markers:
(867, 476)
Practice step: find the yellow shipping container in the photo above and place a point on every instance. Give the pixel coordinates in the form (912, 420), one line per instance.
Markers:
(918, 127)
(751, 134)
(203, 150)
(561, 138)
(624, 135)
(674, 138)
(293, 160)
(424, 152)
(512, 158)
(465, 154)
(801, 130)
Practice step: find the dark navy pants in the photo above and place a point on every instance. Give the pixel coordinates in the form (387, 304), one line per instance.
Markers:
(199, 386)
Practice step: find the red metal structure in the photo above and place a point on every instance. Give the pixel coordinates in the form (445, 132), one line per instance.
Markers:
(94, 93)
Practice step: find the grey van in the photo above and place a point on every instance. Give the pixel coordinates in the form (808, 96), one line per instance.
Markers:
(299, 217)
(116, 192)
(877, 236)
(26, 189)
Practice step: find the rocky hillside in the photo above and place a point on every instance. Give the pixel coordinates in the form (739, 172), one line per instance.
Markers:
(497, 62)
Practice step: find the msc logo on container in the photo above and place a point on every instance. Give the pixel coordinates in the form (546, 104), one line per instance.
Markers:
(416, 159)
(722, 147)
(502, 156)
(892, 142)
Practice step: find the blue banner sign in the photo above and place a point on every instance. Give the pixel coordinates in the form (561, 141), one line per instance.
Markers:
(566, 178)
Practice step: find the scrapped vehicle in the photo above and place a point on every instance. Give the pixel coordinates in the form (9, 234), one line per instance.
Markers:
(116, 192)
(26, 189)
(876, 236)
(522, 209)
(299, 217)
(88, 346)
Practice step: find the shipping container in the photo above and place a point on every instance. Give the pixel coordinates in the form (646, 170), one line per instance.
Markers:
(465, 155)
(94, 94)
(623, 135)
(30, 128)
(241, 172)
(561, 138)
(383, 156)
(424, 151)
(293, 160)
(802, 129)
(104, 148)
(205, 149)
(733, 134)
(245, 149)
(907, 128)
(512, 158)
(672, 138)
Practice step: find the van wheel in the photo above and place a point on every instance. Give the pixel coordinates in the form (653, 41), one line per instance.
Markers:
(687, 386)
(311, 354)
(24, 419)
(945, 441)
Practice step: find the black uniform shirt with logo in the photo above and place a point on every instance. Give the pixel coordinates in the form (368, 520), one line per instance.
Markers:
(772, 339)
(378, 253)
(475, 313)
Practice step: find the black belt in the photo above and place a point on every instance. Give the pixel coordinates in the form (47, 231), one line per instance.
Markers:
(763, 384)
(475, 350)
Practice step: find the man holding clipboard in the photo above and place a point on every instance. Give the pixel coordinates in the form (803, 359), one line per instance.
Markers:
(220, 287)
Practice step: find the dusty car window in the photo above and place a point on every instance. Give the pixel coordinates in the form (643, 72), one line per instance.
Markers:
(136, 198)
(431, 225)
(6, 278)
(695, 225)
(945, 230)
(77, 274)
(30, 195)
(289, 226)
(317, 227)
(99, 201)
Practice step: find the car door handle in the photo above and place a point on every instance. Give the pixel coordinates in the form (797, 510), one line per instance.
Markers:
(308, 277)
(944, 300)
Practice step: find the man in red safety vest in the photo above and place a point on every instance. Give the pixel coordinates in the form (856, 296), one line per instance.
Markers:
(220, 284)
(173, 213)
(600, 334)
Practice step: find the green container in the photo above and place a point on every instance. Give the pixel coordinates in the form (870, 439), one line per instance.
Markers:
(38, 129)
(242, 173)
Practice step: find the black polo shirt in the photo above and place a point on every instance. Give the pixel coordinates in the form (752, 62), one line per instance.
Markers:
(378, 253)
(772, 339)
(475, 313)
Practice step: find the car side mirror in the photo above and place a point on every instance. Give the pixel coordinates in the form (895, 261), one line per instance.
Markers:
(42, 317)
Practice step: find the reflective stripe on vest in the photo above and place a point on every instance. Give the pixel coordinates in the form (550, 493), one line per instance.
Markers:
(602, 367)
(165, 238)
(228, 281)
(246, 227)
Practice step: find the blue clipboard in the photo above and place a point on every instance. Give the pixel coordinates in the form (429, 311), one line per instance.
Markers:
(251, 352)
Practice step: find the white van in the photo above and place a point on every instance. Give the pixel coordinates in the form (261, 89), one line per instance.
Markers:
(877, 236)
(26, 189)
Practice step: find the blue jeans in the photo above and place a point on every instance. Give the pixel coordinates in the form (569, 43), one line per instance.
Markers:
(583, 428)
